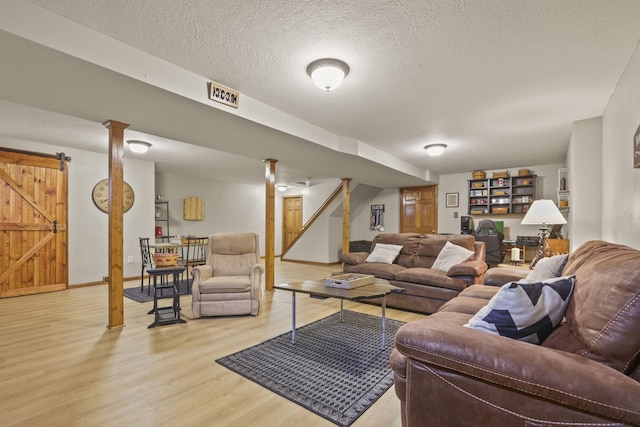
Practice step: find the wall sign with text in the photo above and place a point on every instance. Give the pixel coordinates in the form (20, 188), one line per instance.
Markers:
(223, 95)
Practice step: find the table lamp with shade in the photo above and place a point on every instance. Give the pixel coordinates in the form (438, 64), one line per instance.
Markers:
(543, 213)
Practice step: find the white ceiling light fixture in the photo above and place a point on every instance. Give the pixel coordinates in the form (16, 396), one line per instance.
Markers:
(328, 73)
(435, 149)
(138, 147)
(281, 187)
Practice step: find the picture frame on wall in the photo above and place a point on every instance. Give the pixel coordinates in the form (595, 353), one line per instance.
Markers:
(636, 148)
(452, 200)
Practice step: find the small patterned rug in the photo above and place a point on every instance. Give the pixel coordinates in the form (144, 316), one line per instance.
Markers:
(147, 295)
(337, 370)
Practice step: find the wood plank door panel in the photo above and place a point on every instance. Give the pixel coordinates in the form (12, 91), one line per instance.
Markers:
(33, 223)
(291, 221)
(419, 210)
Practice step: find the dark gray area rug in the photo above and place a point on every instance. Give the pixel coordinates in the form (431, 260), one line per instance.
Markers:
(146, 295)
(336, 370)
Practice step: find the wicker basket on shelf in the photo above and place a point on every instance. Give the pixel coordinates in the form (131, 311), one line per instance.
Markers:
(504, 174)
(479, 175)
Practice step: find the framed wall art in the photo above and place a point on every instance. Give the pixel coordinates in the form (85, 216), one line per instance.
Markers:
(452, 200)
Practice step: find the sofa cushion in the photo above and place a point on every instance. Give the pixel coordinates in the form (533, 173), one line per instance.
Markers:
(384, 253)
(449, 256)
(428, 276)
(525, 311)
(225, 284)
(383, 271)
(547, 268)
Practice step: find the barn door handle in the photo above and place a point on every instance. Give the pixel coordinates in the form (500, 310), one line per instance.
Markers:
(55, 226)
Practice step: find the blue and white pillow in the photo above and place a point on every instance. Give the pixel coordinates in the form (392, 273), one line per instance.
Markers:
(525, 311)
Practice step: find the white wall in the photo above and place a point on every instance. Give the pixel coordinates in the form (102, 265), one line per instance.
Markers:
(228, 207)
(584, 160)
(88, 227)
(361, 215)
(317, 244)
(621, 182)
(546, 188)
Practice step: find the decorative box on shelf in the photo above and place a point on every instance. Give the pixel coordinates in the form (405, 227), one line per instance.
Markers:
(349, 281)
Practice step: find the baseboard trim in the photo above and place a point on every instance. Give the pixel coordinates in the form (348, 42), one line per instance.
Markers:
(323, 264)
(87, 284)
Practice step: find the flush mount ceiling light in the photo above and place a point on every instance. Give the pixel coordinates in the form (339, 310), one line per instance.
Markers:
(281, 187)
(435, 149)
(328, 73)
(138, 147)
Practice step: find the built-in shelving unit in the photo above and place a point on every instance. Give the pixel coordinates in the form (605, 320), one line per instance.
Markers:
(563, 190)
(162, 217)
(499, 196)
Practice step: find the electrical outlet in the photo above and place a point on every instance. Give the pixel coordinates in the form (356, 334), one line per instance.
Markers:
(455, 214)
(130, 259)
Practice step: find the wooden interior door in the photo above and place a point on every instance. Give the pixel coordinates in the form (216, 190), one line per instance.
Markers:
(33, 222)
(291, 221)
(419, 210)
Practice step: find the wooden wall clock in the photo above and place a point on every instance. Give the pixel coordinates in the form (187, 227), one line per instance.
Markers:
(100, 196)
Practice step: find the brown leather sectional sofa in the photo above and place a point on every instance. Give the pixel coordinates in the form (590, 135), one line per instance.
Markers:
(586, 373)
(425, 289)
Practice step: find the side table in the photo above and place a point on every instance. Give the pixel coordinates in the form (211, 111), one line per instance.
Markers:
(169, 314)
(508, 248)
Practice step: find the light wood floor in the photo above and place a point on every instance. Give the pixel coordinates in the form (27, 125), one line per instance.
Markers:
(61, 366)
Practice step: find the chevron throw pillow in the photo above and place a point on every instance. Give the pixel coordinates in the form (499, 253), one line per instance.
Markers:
(525, 311)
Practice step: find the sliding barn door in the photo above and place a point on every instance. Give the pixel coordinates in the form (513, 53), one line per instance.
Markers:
(33, 223)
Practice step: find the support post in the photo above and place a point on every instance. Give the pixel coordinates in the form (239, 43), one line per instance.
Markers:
(116, 219)
(269, 244)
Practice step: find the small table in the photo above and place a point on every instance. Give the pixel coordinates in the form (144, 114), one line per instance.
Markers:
(508, 248)
(169, 314)
(379, 289)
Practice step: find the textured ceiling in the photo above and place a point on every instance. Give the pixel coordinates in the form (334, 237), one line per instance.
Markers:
(500, 82)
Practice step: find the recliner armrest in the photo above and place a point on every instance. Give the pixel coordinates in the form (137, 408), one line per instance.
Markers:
(562, 378)
(354, 258)
(201, 273)
(256, 269)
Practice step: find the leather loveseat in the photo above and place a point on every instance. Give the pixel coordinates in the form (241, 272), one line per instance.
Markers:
(585, 373)
(425, 289)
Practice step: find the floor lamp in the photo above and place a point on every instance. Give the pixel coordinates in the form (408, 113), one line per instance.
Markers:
(543, 213)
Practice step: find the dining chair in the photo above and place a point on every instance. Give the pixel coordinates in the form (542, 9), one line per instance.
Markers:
(145, 256)
(194, 255)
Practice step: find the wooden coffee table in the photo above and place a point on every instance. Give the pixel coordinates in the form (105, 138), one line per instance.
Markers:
(379, 289)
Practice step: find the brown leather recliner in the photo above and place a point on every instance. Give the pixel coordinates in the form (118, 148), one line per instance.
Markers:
(586, 373)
